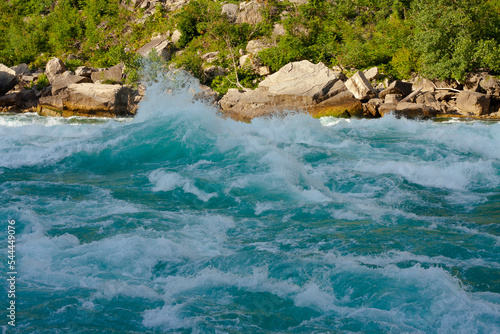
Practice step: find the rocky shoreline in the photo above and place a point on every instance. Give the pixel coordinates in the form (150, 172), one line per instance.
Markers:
(298, 86)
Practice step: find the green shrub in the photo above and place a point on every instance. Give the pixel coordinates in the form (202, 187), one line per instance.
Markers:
(42, 82)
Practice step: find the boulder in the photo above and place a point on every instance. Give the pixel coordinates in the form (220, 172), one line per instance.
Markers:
(231, 10)
(214, 71)
(386, 108)
(445, 95)
(414, 111)
(301, 78)
(360, 87)
(176, 36)
(372, 74)
(54, 67)
(250, 12)
(397, 87)
(21, 69)
(55, 102)
(11, 99)
(162, 46)
(298, 86)
(257, 45)
(393, 98)
(8, 79)
(371, 107)
(114, 74)
(62, 81)
(84, 71)
(90, 97)
(424, 84)
(473, 104)
(491, 86)
(263, 71)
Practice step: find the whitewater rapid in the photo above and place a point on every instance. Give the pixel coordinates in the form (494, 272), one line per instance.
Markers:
(182, 221)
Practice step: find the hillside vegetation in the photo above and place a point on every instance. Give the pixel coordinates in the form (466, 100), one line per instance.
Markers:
(444, 39)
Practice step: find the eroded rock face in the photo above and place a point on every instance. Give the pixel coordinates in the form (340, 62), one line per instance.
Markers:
(250, 12)
(8, 79)
(473, 104)
(231, 10)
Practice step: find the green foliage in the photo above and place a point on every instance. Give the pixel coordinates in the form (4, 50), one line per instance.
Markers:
(246, 77)
(66, 27)
(73, 64)
(403, 63)
(42, 82)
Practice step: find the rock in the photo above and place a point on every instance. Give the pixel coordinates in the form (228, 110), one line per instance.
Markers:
(245, 60)
(210, 56)
(296, 86)
(491, 86)
(397, 87)
(279, 30)
(54, 67)
(424, 84)
(257, 45)
(206, 94)
(62, 81)
(250, 12)
(339, 103)
(163, 48)
(90, 97)
(264, 71)
(84, 71)
(11, 99)
(472, 103)
(8, 79)
(386, 108)
(55, 102)
(445, 95)
(360, 87)
(371, 107)
(372, 74)
(214, 71)
(231, 10)
(176, 36)
(114, 74)
(21, 69)
(393, 98)
(414, 111)
(301, 78)
(426, 98)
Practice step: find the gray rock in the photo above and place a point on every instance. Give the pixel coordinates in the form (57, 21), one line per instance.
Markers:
(491, 86)
(8, 79)
(371, 107)
(91, 98)
(62, 81)
(372, 74)
(250, 12)
(11, 99)
(21, 69)
(301, 78)
(472, 103)
(360, 87)
(54, 67)
(114, 73)
(397, 87)
(84, 71)
(231, 10)
(163, 47)
(257, 45)
(214, 71)
(279, 30)
(176, 36)
(393, 98)
(414, 111)
(424, 84)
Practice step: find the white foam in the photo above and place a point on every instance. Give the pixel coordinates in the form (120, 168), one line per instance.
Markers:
(168, 181)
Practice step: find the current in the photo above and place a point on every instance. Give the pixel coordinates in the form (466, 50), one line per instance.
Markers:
(181, 221)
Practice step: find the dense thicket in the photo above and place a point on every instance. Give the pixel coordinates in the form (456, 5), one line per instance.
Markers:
(437, 38)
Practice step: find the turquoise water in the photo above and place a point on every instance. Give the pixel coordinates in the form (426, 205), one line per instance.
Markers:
(179, 221)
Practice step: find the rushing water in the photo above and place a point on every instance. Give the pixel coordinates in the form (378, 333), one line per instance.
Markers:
(180, 221)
